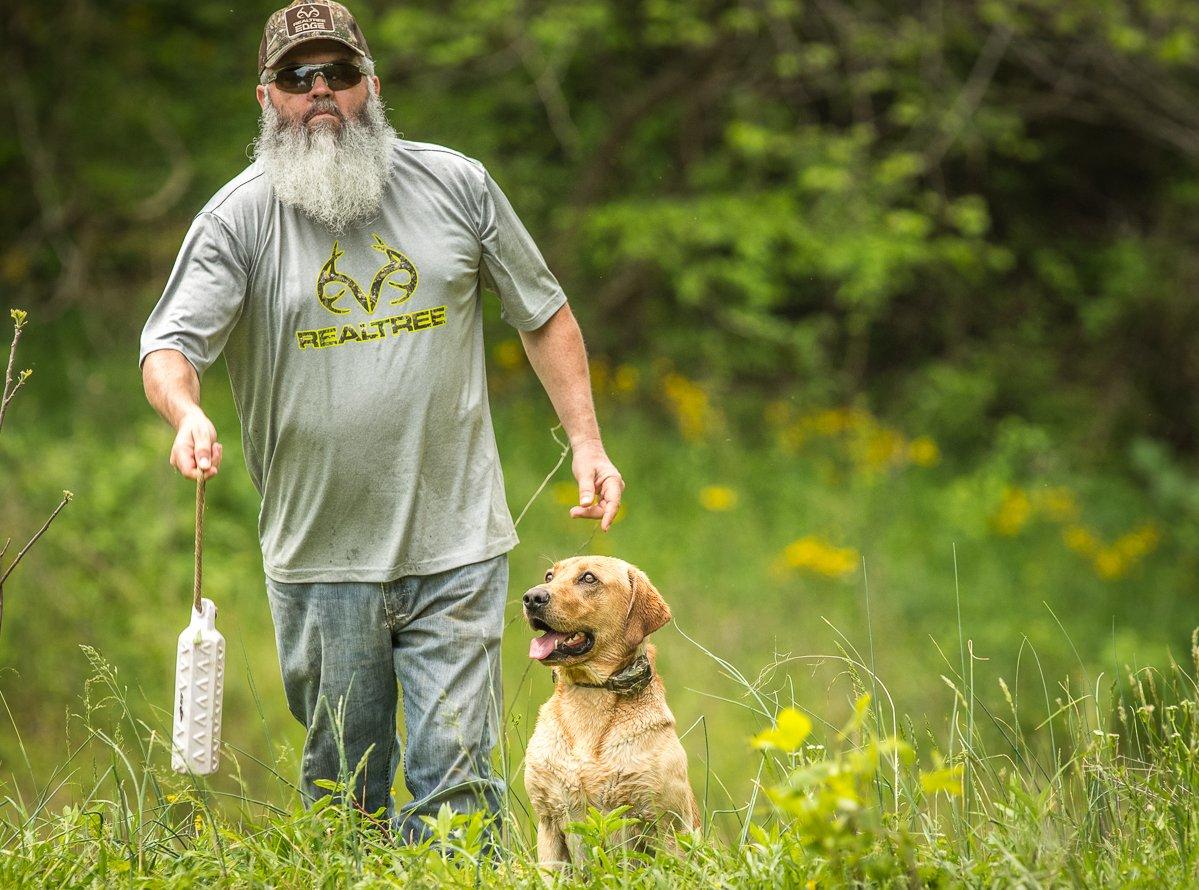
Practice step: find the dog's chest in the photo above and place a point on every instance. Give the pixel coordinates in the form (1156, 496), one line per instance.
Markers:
(597, 763)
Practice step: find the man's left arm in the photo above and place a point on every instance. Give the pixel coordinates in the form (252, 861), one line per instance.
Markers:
(557, 354)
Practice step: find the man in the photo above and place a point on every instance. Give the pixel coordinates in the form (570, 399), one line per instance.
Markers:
(341, 275)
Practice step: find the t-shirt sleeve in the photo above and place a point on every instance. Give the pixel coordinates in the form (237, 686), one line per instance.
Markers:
(203, 298)
(513, 266)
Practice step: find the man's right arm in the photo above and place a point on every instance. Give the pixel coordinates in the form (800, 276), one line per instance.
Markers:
(173, 388)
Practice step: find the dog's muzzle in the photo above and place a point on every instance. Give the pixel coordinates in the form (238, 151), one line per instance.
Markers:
(536, 598)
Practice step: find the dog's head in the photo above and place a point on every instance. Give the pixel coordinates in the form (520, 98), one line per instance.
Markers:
(593, 609)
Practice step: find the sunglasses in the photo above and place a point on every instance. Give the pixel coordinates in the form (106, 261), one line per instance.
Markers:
(299, 78)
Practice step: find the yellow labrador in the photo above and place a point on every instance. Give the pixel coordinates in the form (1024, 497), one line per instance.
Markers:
(606, 737)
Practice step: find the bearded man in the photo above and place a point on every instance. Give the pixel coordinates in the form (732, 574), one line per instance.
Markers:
(341, 276)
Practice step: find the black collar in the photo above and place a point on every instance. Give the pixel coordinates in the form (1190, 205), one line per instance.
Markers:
(629, 680)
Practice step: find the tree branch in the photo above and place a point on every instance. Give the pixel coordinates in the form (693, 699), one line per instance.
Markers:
(549, 90)
(968, 99)
(10, 388)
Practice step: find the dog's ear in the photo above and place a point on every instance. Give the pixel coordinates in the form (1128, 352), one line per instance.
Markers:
(647, 610)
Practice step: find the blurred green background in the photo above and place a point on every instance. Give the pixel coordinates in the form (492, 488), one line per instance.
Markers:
(886, 302)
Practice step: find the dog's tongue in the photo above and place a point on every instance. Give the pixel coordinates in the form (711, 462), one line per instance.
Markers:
(541, 647)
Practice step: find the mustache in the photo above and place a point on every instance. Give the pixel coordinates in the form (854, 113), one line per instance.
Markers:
(323, 106)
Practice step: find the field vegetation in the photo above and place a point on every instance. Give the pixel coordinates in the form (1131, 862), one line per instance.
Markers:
(892, 323)
(878, 663)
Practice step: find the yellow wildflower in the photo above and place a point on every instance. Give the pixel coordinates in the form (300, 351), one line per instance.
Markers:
(509, 355)
(1110, 564)
(1112, 561)
(1081, 540)
(1014, 512)
(15, 265)
(923, 452)
(599, 375)
(831, 421)
(1058, 503)
(690, 404)
(815, 555)
(626, 378)
(882, 447)
(1138, 543)
(790, 729)
(947, 779)
(717, 498)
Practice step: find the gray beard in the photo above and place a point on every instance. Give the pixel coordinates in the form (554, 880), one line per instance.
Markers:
(334, 176)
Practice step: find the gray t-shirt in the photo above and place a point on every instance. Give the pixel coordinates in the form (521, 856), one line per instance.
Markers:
(356, 363)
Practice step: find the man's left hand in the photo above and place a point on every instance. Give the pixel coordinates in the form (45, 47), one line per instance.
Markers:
(600, 484)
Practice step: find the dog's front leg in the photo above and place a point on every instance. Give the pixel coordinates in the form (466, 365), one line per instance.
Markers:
(552, 852)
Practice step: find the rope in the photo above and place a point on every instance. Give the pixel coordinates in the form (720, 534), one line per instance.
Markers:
(199, 537)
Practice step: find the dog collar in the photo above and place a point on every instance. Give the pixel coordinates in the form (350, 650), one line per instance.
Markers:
(629, 680)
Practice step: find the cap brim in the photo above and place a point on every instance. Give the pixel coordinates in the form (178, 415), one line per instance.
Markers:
(284, 50)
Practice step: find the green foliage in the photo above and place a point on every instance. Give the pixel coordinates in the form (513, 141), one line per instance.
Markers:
(965, 211)
(599, 832)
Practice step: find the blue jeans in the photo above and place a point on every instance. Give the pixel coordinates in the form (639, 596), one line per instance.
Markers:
(342, 648)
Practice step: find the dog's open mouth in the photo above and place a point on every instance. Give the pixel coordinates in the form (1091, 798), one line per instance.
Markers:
(556, 644)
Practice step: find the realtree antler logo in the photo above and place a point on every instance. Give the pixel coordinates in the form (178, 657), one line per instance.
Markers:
(299, 20)
(332, 285)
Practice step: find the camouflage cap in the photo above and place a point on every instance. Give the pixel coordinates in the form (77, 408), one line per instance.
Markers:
(303, 21)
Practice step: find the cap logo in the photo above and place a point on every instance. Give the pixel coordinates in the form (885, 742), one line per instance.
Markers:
(298, 20)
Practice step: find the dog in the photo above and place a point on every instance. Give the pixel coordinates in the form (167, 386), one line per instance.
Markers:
(606, 737)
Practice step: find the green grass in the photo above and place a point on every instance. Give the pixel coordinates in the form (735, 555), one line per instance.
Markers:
(938, 609)
(1101, 794)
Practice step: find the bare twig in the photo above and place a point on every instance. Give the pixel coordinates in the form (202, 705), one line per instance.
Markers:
(548, 476)
(66, 497)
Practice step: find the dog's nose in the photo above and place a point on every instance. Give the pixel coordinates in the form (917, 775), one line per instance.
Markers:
(536, 598)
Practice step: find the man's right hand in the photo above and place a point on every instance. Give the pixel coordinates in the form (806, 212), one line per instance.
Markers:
(196, 448)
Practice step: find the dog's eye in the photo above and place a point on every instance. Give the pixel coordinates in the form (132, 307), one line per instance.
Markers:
(549, 576)
(589, 578)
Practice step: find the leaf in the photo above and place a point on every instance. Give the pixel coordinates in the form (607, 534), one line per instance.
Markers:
(445, 821)
(789, 732)
(321, 804)
(948, 779)
(327, 784)
(759, 834)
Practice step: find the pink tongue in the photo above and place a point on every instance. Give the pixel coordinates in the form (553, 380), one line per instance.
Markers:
(542, 646)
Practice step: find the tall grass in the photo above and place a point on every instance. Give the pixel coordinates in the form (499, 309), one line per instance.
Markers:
(1100, 790)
